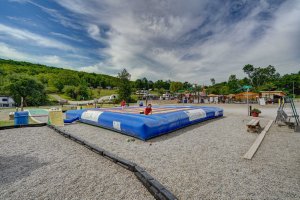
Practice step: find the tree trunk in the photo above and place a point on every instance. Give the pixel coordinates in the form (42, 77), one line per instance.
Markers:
(22, 103)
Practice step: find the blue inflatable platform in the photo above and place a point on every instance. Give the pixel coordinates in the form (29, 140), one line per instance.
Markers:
(129, 121)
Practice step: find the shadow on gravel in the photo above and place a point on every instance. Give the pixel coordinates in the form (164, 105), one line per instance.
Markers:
(183, 130)
(14, 168)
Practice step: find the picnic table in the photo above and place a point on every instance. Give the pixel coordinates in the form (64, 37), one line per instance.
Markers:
(253, 126)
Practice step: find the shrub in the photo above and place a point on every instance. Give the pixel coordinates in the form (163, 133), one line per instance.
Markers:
(255, 110)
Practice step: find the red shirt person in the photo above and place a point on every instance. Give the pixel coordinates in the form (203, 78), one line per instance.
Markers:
(123, 103)
(148, 109)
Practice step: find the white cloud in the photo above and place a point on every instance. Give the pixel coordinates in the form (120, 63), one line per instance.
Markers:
(184, 40)
(66, 36)
(94, 33)
(57, 16)
(22, 20)
(93, 30)
(32, 38)
(8, 52)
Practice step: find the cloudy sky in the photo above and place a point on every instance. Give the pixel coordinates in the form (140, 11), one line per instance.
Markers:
(185, 40)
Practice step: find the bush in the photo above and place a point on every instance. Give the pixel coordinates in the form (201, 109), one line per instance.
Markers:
(255, 110)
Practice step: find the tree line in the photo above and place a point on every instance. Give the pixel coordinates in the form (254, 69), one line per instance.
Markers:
(261, 79)
(34, 81)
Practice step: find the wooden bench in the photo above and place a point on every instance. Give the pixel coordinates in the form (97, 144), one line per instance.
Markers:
(253, 126)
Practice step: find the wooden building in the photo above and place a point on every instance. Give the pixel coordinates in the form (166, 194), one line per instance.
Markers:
(243, 96)
(272, 96)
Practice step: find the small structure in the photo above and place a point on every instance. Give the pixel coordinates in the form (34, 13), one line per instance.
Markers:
(55, 117)
(213, 98)
(251, 96)
(150, 97)
(272, 96)
(230, 98)
(6, 101)
(62, 101)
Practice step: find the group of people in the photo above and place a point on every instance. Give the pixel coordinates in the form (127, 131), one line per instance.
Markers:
(147, 111)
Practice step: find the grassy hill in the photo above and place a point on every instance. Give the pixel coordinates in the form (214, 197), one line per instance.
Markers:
(70, 84)
(53, 76)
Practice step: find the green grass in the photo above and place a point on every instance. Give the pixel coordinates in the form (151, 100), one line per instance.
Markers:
(50, 98)
(97, 93)
(11, 122)
(63, 96)
(6, 122)
(155, 92)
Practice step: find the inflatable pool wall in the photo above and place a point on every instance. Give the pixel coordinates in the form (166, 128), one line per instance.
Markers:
(142, 126)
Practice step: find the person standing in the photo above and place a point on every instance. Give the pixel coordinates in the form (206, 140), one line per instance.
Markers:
(123, 104)
(148, 109)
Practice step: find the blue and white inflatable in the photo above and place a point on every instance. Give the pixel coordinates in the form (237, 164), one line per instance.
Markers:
(129, 121)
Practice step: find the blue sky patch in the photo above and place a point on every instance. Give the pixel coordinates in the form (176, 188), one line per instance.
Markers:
(179, 40)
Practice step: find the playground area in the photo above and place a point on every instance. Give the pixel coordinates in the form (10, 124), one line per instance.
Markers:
(201, 161)
(133, 122)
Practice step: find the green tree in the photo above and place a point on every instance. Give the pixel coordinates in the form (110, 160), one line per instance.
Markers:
(151, 85)
(213, 81)
(162, 84)
(289, 83)
(175, 86)
(249, 70)
(70, 91)
(82, 92)
(32, 91)
(261, 75)
(161, 91)
(58, 84)
(145, 83)
(138, 84)
(2, 73)
(186, 85)
(124, 86)
(159, 84)
(224, 90)
(233, 84)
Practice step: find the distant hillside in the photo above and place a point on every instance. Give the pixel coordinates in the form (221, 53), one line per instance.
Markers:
(54, 78)
(78, 85)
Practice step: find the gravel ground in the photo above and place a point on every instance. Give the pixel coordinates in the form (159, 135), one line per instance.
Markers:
(37, 163)
(205, 160)
(200, 161)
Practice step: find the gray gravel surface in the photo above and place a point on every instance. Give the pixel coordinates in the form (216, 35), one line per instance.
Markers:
(205, 160)
(37, 163)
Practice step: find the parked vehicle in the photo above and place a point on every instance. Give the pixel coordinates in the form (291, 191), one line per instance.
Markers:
(150, 97)
(112, 98)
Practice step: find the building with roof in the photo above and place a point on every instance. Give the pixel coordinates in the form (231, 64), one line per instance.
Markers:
(243, 96)
(272, 96)
(6, 101)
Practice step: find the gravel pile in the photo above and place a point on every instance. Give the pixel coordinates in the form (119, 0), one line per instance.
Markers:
(205, 160)
(37, 163)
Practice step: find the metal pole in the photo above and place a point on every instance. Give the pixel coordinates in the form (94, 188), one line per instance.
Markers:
(248, 101)
(146, 99)
(293, 90)
(198, 96)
